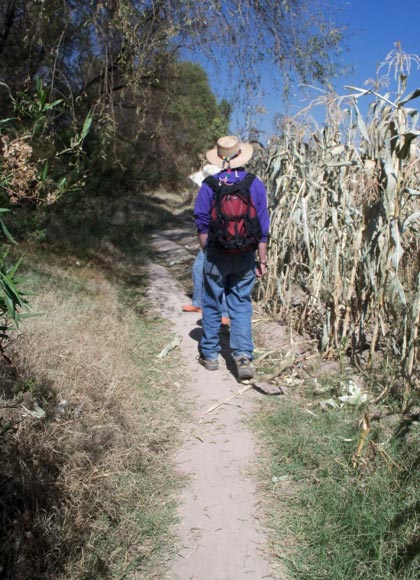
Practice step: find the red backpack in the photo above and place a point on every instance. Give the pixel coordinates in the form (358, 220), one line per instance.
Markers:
(234, 225)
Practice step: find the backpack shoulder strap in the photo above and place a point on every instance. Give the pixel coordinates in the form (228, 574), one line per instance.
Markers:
(248, 179)
(212, 182)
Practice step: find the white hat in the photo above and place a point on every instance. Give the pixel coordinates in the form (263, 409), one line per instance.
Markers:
(199, 176)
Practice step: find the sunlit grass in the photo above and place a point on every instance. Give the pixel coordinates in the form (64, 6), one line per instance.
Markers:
(346, 523)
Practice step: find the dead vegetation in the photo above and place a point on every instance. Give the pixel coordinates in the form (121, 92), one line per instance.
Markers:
(345, 227)
(89, 415)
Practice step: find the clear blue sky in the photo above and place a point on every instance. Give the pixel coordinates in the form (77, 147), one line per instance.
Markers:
(374, 27)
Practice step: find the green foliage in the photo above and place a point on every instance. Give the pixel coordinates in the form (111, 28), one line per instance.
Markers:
(34, 110)
(346, 523)
(13, 302)
(119, 61)
(184, 119)
(42, 156)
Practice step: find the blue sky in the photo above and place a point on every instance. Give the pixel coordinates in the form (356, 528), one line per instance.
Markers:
(374, 26)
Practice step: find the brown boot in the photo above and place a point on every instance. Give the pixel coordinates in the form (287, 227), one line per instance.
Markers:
(209, 363)
(243, 366)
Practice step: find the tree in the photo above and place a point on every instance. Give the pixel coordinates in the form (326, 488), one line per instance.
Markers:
(117, 58)
(182, 119)
(101, 49)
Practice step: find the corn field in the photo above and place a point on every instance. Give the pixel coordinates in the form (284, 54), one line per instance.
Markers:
(345, 209)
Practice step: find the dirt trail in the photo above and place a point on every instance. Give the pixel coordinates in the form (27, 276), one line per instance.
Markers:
(220, 535)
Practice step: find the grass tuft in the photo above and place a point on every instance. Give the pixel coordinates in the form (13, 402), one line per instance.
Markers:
(345, 522)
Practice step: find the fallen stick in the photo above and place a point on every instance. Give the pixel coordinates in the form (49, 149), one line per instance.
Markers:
(287, 362)
(240, 392)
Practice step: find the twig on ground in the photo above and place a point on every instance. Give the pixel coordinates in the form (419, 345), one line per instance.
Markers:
(225, 401)
(287, 362)
(268, 353)
(382, 394)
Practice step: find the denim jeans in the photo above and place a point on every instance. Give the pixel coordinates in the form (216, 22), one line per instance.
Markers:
(234, 276)
(198, 284)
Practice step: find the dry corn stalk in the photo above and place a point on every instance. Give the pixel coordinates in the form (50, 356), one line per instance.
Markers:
(344, 212)
(365, 428)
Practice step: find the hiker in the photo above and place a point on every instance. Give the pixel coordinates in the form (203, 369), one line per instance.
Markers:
(198, 283)
(197, 267)
(230, 266)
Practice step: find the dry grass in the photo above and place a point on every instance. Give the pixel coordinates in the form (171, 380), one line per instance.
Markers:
(86, 490)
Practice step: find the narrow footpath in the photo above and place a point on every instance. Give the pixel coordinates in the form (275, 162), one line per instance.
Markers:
(220, 535)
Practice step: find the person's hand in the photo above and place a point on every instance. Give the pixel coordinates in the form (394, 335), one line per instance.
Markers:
(261, 269)
(202, 239)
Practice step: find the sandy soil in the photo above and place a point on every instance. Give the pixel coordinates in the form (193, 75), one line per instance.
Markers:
(220, 535)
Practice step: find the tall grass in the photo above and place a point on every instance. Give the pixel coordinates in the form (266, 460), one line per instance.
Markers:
(345, 225)
(86, 485)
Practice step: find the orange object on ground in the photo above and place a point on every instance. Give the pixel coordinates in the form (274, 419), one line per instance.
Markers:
(190, 308)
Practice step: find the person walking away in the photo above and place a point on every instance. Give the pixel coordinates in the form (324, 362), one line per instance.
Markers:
(197, 267)
(198, 284)
(230, 264)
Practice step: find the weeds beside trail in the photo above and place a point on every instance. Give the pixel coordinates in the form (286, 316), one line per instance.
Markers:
(86, 489)
(335, 515)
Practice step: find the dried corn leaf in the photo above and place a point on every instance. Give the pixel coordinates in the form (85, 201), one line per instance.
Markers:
(173, 344)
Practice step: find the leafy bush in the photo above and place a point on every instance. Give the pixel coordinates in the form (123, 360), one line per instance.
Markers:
(41, 159)
(12, 299)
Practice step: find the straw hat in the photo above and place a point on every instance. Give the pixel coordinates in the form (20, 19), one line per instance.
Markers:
(230, 153)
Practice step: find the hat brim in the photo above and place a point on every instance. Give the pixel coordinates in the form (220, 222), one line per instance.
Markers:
(244, 156)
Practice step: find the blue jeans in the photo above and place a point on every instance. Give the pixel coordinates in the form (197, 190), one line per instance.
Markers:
(198, 284)
(234, 276)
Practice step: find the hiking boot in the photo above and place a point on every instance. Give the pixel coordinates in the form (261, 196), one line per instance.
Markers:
(211, 364)
(190, 308)
(243, 366)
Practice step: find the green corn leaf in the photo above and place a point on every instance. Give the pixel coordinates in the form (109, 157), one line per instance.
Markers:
(11, 310)
(24, 315)
(10, 288)
(11, 272)
(50, 106)
(44, 172)
(7, 233)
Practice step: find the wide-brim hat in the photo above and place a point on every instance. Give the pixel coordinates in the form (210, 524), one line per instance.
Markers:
(230, 152)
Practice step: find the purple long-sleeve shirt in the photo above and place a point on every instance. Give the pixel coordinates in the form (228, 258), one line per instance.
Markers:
(205, 196)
